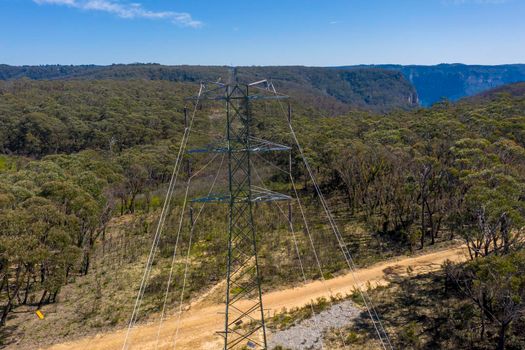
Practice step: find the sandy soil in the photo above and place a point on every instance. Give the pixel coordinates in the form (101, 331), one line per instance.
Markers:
(202, 320)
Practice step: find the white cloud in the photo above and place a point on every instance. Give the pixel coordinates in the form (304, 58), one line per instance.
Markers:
(133, 10)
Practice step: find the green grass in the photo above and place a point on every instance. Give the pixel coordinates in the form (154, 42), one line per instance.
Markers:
(5, 163)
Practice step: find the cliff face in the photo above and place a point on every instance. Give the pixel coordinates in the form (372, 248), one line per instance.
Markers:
(454, 81)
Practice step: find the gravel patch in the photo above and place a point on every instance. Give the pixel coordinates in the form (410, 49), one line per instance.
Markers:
(308, 334)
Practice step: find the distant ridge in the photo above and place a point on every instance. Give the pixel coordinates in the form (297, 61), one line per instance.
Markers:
(335, 91)
(454, 81)
(360, 86)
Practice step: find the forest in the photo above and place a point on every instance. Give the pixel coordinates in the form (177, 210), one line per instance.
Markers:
(334, 91)
(85, 163)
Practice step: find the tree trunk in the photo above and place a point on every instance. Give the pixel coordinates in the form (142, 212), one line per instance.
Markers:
(423, 226)
(11, 297)
(54, 297)
(305, 182)
(27, 289)
(349, 201)
(131, 207)
(42, 273)
(502, 333)
(482, 333)
(148, 200)
(505, 233)
(6, 311)
(85, 263)
(42, 299)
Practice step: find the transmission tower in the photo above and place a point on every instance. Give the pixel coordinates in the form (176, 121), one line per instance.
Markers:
(244, 317)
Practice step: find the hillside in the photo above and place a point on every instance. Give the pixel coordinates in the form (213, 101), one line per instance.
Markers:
(262, 175)
(335, 92)
(516, 90)
(85, 165)
(201, 320)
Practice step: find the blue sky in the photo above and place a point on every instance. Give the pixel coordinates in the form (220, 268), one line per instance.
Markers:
(262, 32)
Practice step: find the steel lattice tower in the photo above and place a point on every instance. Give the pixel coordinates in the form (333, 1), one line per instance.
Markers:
(244, 318)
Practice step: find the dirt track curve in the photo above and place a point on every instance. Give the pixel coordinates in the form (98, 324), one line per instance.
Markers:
(201, 321)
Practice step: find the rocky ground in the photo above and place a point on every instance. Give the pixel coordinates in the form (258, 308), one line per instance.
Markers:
(308, 334)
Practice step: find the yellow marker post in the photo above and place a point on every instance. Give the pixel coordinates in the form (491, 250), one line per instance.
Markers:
(39, 314)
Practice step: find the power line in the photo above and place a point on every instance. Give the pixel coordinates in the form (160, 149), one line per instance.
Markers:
(244, 325)
(188, 256)
(290, 223)
(160, 224)
(374, 316)
(170, 278)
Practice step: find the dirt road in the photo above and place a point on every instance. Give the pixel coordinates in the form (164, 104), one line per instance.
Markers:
(199, 323)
